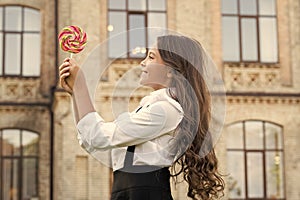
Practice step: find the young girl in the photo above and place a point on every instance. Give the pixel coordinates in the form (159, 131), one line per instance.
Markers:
(170, 127)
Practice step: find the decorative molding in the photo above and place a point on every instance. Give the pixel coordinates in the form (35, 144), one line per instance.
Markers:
(18, 89)
(131, 61)
(118, 70)
(252, 65)
(289, 100)
(23, 109)
(252, 77)
(134, 99)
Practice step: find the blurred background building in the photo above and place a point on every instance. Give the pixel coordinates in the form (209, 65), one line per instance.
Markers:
(254, 43)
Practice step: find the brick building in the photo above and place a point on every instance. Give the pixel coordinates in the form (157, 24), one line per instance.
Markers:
(254, 43)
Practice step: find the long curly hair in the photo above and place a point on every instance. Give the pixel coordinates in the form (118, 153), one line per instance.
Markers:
(194, 147)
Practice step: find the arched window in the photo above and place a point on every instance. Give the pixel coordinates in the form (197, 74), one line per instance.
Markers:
(127, 15)
(255, 160)
(20, 41)
(19, 155)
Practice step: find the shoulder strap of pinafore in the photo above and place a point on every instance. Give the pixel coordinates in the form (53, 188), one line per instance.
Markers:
(128, 162)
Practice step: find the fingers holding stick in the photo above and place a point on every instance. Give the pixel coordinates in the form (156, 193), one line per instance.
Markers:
(64, 73)
(69, 71)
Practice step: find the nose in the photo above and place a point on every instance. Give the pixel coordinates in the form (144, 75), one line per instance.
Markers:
(143, 64)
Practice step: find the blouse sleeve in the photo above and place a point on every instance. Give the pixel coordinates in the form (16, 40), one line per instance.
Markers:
(129, 128)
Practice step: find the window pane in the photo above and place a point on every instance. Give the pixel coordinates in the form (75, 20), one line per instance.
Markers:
(254, 135)
(11, 142)
(248, 7)
(230, 42)
(255, 175)
(229, 6)
(268, 39)
(1, 18)
(267, 7)
(29, 186)
(274, 172)
(13, 18)
(273, 136)
(235, 136)
(30, 143)
(137, 37)
(137, 4)
(1, 53)
(32, 20)
(236, 169)
(155, 20)
(118, 25)
(31, 54)
(157, 5)
(153, 33)
(12, 54)
(10, 178)
(119, 4)
(249, 39)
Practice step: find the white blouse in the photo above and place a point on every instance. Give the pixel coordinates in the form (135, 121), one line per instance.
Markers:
(150, 130)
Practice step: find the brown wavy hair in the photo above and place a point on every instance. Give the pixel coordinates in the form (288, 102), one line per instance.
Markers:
(194, 147)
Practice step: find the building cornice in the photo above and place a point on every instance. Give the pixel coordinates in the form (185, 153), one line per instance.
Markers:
(263, 94)
(262, 98)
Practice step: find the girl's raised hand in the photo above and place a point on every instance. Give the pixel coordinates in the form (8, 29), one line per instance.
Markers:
(68, 72)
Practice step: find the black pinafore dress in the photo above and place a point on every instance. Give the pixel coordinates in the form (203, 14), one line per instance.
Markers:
(140, 182)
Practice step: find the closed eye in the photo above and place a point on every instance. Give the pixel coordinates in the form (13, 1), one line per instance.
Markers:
(151, 55)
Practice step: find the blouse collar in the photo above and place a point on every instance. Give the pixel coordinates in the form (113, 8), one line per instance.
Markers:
(160, 95)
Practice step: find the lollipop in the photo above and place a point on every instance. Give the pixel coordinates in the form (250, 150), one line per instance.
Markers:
(72, 39)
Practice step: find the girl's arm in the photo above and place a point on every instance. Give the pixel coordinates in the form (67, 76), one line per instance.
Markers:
(73, 81)
(151, 122)
(82, 103)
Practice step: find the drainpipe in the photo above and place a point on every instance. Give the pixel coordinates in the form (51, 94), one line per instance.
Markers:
(52, 99)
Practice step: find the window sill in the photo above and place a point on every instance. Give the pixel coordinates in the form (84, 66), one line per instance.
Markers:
(251, 65)
(133, 61)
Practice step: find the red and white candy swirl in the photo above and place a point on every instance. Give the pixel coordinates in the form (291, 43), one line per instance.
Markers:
(72, 39)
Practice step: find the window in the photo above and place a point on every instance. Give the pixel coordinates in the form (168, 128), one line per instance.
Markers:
(255, 161)
(127, 22)
(20, 41)
(18, 164)
(249, 31)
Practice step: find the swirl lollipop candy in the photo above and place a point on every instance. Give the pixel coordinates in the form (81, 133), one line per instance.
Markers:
(72, 39)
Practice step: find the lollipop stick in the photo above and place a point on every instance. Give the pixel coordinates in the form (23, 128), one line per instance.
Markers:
(71, 56)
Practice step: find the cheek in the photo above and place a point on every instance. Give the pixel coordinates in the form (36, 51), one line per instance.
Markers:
(158, 75)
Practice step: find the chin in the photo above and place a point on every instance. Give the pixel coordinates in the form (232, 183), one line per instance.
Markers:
(143, 82)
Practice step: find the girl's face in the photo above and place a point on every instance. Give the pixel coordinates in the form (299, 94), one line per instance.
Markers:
(155, 73)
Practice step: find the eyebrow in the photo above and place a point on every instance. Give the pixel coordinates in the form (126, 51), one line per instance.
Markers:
(151, 52)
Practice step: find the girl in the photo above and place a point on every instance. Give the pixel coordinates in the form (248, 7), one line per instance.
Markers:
(170, 128)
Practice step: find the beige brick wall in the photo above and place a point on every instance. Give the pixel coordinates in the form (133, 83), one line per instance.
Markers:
(202, 20)
(199, 19)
